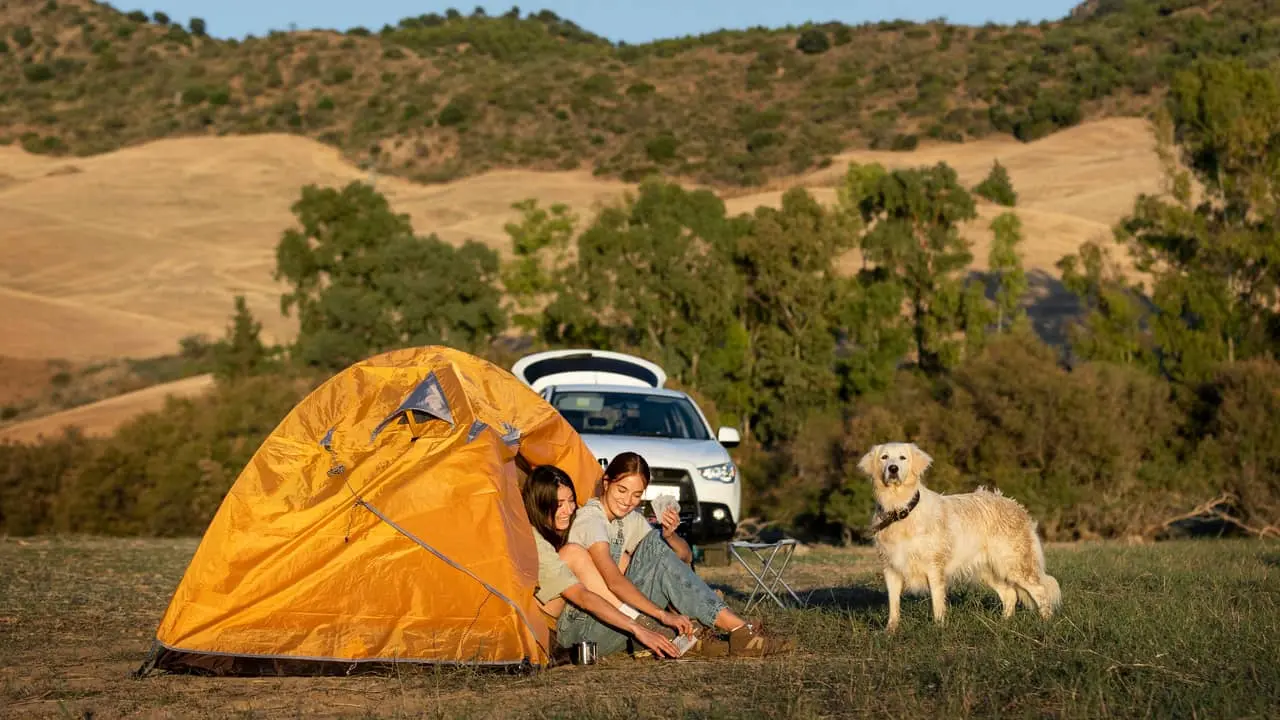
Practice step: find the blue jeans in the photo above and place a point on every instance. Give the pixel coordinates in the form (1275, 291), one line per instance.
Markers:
(659, 575)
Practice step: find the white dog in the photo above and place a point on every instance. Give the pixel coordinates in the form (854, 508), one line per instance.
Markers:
(926, 539)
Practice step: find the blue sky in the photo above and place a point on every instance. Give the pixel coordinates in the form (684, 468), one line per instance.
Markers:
(634, 22)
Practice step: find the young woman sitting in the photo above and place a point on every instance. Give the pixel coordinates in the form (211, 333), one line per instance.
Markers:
(549, 500)
(648, 568)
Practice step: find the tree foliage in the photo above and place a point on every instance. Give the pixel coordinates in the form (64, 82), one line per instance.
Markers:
(786, 262)
(362, 282)
(1211, 242)
(813, 41)
(652, 273)
(1006, 267)
(540, 245)
(241, 352)
(997, 186)
(914, 219)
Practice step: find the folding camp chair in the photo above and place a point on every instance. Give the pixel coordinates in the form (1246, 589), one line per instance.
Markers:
(769, 577)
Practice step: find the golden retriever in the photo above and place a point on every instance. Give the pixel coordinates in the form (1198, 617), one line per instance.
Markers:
(926, 540)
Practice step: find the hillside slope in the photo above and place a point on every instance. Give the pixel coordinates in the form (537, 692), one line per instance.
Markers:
(105, 416)
(124, 254)
(440, 97)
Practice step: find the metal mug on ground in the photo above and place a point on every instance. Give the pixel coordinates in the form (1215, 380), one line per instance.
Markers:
(585, 653)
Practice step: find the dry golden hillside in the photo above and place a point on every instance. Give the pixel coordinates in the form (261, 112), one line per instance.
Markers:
(124, 254)
(105, 416)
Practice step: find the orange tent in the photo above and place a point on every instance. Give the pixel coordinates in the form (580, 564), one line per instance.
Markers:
(381, 521)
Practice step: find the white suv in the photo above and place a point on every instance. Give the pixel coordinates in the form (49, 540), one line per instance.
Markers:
(617, 403)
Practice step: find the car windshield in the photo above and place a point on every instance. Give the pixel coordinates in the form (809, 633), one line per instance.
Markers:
(621, 413)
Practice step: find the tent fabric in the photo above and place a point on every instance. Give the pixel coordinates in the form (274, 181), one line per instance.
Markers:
(381, 521)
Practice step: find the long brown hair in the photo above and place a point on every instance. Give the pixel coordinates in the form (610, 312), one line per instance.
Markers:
(541, 495)
(623, 464)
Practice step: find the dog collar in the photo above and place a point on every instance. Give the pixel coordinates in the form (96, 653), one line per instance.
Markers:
(887, 519)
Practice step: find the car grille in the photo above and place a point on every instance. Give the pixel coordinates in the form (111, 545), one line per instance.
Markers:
(675, 482)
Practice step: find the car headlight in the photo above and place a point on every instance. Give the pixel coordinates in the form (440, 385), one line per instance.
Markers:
(726, 472)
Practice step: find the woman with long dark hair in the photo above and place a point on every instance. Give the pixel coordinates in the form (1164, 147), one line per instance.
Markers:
(647, 569)
(550, 501)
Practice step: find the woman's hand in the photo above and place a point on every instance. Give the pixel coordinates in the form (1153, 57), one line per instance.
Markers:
(670, 521)
(679, 623)
(660, 646)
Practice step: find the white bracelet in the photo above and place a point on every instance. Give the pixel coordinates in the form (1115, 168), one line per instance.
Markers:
(629, 611)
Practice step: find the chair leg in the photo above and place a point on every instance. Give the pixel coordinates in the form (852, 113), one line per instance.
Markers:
(765, 572)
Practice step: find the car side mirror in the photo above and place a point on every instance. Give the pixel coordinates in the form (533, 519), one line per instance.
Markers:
(729, 437)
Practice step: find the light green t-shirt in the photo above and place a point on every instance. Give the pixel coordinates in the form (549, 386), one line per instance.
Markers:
(591, 526)
(554, 577)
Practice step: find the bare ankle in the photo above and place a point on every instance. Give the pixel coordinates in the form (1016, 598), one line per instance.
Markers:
(729, 622)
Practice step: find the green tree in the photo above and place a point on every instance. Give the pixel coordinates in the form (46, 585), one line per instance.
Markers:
(789, 313)
(875, 336)
(1215, 260)
(813, 42)
(1006, 267)
(540, 244)
(914, 218)
(362, 283)
(198, 27)
(241, 352)
(653, 273)
(997, 187)
(1113, 312)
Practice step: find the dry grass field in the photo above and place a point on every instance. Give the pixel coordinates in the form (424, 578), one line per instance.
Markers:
(1180, 629)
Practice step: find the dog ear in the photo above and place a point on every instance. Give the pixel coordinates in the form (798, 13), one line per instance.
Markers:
(868, 462)
(921, 458)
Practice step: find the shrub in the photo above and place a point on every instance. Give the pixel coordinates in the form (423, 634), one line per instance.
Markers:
(37, 145)
(997, 187)
(662, 148)
(457, 112)
(599, 84)
(1234, 416)
(1093, 451)
(198, 27)
(23, 36)
(194, 95)
(904, 142)
(340, 75)
(813, 42)
(161, 18)
(640, 90)
(37, 72)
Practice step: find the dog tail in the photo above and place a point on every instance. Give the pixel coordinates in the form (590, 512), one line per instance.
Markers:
(1050, 583)
(1052, 590)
